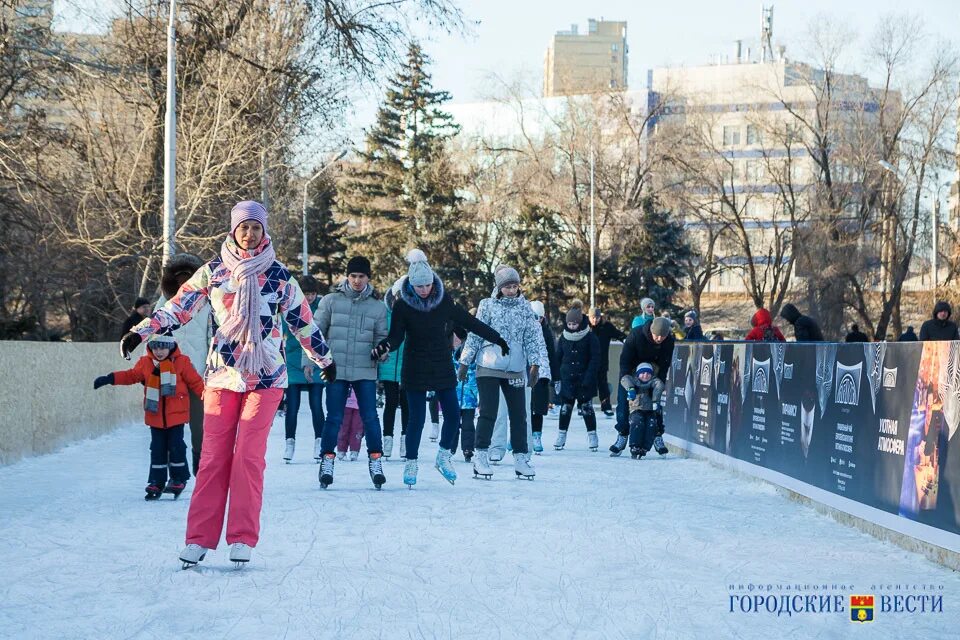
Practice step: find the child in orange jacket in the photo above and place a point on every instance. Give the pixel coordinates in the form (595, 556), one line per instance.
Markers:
(165, 374)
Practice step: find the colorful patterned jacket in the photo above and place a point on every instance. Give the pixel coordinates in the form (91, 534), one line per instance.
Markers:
(280, 297)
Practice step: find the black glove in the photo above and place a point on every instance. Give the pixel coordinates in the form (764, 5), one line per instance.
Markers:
(329, 373)
(102, 381)
(128, 343)
(380, 350)
(503, 346)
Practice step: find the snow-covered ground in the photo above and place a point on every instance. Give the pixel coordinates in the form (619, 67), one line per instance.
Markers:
(594, 548)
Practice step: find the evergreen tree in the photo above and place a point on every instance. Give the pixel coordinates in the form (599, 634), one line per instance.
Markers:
(325, 236)
(404, 191)
(651, 264)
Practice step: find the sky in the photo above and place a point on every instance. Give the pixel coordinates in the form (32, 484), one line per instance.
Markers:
(510, 37)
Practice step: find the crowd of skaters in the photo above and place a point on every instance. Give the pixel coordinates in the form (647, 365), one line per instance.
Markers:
(233, 336)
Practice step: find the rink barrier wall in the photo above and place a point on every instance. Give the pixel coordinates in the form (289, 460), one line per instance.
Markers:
(862, 432)
(47, 398)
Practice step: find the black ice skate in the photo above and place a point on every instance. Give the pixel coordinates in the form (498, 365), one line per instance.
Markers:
(175, 487)
(153, 492)
(617, 447)
(376, 470)
(660, 447)
(326, 470)
(637, 453)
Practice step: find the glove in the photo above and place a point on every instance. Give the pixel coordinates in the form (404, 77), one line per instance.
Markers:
(329, 373)
(102, 381)
(380, 350)
(128, 343)
(656, 407)
(503, 346)
(631, 394)
(462, 372)
(534, 375)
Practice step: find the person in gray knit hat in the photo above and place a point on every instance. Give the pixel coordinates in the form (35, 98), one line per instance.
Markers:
(508, 313)
(422, 313)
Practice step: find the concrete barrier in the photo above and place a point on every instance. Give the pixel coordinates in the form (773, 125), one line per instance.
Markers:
(47, 398)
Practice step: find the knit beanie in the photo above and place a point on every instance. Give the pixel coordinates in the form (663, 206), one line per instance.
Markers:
(644, 303)
(660, 327)
(645, 367)
(359, 264)
(161, 342)
(247, 210)
(537, 308)
(575, 315)
(139, 302)
(420, 274)
(691, 314)
(505, 275)
(309, 284)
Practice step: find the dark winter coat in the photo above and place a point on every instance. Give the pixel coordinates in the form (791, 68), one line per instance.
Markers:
(552, 354)
(907, 336)
(422, 325)
(605, 332)
(935, 329)
(579, 354)
(693, 333)
(856, 336)
(805, 328)
(640, 347)
(132, 320)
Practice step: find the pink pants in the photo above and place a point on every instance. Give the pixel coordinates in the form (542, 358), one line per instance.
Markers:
(232, 459)
(351, 430)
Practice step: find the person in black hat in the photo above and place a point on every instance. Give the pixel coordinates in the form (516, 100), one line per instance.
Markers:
(354, 320)
(140, 310)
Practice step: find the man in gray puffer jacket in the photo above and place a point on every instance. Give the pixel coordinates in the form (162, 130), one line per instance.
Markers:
(354, 321)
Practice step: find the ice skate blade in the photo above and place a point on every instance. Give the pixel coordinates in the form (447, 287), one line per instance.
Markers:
(482, 476)
(594, 449)
(521, 476)
(187, 564)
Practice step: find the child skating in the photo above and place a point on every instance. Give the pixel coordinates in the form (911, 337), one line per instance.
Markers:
(351, 430)
(643, 398)
(166, 375)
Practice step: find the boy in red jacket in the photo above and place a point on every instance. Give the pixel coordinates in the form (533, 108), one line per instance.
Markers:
(165, 374)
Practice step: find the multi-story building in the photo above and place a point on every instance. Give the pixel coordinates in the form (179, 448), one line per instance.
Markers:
(578, 63)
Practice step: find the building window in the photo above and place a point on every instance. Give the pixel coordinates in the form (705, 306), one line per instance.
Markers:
(753, 134)
(731, 136)
(613, 47)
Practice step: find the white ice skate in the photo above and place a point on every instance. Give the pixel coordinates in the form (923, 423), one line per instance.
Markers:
(592, 441)
(410, 473)
(288, 450)
(354, 455)
(240, 553)
(192, 554)
(496, 455)
(434, 431)
(341, 455)
(387, 446)
(317, 450)
(537, 442)
(403, 447)
(481, 464)
(444, 465)
(561, 441)
(522, 467)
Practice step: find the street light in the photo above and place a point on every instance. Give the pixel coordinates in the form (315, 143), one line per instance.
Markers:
(593, 238)
(170, 140)
(899, 175)
(305, 185)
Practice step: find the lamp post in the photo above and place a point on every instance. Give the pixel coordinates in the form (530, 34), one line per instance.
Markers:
(305, 185)
(899, 175)
(593, 237)
(170, 140)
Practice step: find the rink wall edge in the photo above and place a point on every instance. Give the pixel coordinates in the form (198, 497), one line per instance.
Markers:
(935, 544)
(48, 400)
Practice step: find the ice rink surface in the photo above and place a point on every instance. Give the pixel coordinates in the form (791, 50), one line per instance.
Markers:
(595, 547)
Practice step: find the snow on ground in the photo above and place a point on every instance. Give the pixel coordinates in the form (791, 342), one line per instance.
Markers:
(594, 548)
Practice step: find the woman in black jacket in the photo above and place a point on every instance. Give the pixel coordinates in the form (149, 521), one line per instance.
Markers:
(579, 353)
(422, 314)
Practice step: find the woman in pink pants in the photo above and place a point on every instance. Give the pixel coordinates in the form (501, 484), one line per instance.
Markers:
(249, 293)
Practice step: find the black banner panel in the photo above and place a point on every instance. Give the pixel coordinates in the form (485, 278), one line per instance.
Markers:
(871, 422)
